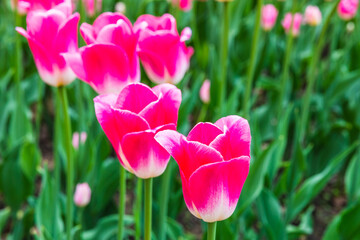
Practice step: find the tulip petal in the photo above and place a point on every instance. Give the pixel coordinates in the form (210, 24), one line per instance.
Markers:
(215, 188)
(235, 141)
(135, 97)
(87, 32)
(204, 133)
(187, 197)
(165, 109)
(149, 160)
(107, 18)
(188, 155)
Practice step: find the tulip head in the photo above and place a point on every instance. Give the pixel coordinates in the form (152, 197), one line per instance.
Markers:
(90, 7)
(347, 9)
(312, 16)
(25, 6)
(214, 162)
(161, 49)
(293, 23)
(76, 138)
(269, 14)
(50, 34)
(184, 5)
(82, 195)
(131, 119)
(205, 92)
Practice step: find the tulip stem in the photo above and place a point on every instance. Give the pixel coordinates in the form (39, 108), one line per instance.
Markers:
(164, 200)
(211, 231)
(251, 69)
(138, 210)
(70, 163)
(148, 206)
(122, 196)
(224, 57)
(312, 73)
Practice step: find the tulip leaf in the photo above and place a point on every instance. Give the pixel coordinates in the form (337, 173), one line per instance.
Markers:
(4, 215)
(352, 178)
(29, 160)
(304, 228)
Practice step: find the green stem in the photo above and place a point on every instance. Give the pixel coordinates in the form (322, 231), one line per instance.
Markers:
(211, 231)
(164, 200)
(251, 69)
(203, 112)
(148, 206)
(39, 107)
(224, 57)
(138, 210)
(57, 169)
(70, 163)
(312, 73)
(122, 196)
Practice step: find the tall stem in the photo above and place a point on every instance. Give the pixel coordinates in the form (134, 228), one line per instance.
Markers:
(70, 163)
(251, 69)
(138, 206)
(312, 73)
(211, 231)
(148, 207)
(164, 200)
(122, 196)
(224, 56)
(39, 107)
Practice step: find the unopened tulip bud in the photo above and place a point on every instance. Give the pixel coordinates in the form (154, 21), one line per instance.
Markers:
(82, 195)
(293, 23)
(347, 9)
(75, 139)
(269, 14)
(313, 15)
(205, 92)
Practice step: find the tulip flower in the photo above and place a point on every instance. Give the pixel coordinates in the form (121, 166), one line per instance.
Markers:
(205, 92)
(347, 9)
(269, 14)
(78, 137)
(161, 49)
(293, 23)
(82, 195)
(184, 5)
(120, 7)
(312, 16)
(90, 7)
(110, 61)
(25, 6)
(50, 34)
(131, 119)
(214, 163)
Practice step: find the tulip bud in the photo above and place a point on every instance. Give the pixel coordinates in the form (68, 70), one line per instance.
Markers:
(90, 7)
(205, 92)
(269, 15)
(347, 9)
(350, 26)
(120, 7)
(293, 23)
(184, 5)
(82, 195)
(75, 139)
(312, 15)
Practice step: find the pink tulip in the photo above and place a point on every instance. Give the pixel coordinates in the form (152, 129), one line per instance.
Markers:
(90, 7)
(269, 14)
(205, 92)
(214, 163)
(25, 6)
(162, 50)
(78, 137)
(312, 16)
(50, 34)
(131, 119)
(82, 195)
(347, 9)
(288, 23)
(110, 62)
(184, 5)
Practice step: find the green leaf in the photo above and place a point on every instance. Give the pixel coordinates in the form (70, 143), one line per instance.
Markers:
(352, 178)
(29, 159)
(270, 214)
(313, 185)
(4, 215)
(304, 228)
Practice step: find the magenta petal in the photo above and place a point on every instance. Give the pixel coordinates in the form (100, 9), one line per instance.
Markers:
(189, 155)
(235, 141)
(135, 97)
(116, 123)
(187, 197)
(154, 66)
(165, 110)
(75, 62)
(87, 32)
(215, 188)
(107, 18)
(204, 133)
(146, 157)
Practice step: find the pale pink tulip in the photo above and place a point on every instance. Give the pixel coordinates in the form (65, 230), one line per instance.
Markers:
(25, 6)
(269, 14)
(161, 49)
(78, 137)
(347, 9)
(90, 7)
(50, 34)
(184, 5)
(110, 61)
(82, 195)
(205, 92)
(214, 163)
(312, 16)
(293, 23)
(120, 7)
(131, 119)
